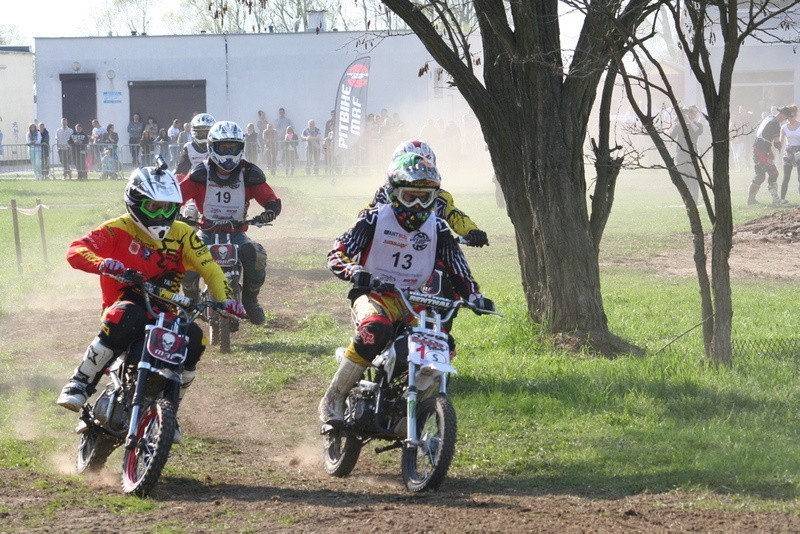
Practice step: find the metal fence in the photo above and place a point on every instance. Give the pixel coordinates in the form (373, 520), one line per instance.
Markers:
(282, 157)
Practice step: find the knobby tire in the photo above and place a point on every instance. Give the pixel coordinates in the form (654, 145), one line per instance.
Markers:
(425, 466)
(142, 465)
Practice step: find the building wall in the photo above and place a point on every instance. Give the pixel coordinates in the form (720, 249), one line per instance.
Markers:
(245, 73)
(17, 108)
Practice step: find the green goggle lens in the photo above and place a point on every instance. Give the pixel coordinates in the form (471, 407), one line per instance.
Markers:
(155, 209)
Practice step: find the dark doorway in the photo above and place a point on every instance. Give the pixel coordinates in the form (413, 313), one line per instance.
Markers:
(167, 100)
(79, 99)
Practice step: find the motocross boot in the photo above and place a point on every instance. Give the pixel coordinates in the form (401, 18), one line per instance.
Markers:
(331, 407)
(187, 377)
(751, 197)
(254, 310)
(86, 375)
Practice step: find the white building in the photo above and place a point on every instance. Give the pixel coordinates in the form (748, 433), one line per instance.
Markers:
(232, 76)
(17, 107)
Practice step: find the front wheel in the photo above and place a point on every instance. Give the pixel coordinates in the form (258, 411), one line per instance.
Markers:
(425, 466)
(94, 448)
(142, 464)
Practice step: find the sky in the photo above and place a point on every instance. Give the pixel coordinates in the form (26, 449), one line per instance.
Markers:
(59, 18)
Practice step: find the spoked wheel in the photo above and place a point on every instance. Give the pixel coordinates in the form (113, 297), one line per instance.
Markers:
(426, 465)
(94, 448)
(142, 465)
(342, 450)
(223, 334)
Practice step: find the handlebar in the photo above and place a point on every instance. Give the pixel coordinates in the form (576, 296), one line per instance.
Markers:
(231, 225)
(184, 305)
(410, 298)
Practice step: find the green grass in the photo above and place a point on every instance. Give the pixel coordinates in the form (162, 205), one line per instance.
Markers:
(530, 418)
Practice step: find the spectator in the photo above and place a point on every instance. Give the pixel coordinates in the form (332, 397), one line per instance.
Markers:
(281, 123)
(163, 142)
(109, 166)
(270, 142)
(1, 143)
(313, 138)
(186, 134)
(330, 124)
(98, 136)
(79, 140)
(111, 141)
(741, 127)
(251, 143)
(261, 123)
(685, 148)
(34, 141)
(152, 127)
(135, 129)
(63, 135)
(45, 150)
(290, 150)
(173, 132)
(146, 148)
(790, 135)
(768, 136)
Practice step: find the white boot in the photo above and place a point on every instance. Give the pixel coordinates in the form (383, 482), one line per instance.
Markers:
(331, 407)
(187, 377)
(85, 376)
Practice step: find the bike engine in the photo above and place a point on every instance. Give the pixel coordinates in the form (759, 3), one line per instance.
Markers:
(103, 404)
(362, 411)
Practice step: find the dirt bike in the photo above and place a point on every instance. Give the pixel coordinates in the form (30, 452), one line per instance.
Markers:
(398, 401)
(226, 254)
(138, 407)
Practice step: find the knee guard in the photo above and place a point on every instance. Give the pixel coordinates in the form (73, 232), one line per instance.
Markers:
(372, 335)
(254, 265)
(195, 349)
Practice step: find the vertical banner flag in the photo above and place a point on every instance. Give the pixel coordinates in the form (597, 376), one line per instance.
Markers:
(351, 104)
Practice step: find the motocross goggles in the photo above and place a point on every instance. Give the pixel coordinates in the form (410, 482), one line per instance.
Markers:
(155, 208)
(228, 148)
(416, 196)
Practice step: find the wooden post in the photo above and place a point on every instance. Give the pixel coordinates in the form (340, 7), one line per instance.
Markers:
(17, 246)
(40, 214)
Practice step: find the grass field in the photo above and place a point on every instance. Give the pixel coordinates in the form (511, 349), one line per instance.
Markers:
(529, 417)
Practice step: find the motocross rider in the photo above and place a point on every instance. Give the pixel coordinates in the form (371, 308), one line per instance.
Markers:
(222, 188)
(444, 206)
(195, 151)
(399, 243)
(149, 240)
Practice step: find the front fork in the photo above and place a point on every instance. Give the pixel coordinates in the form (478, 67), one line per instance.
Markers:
(172, 392)
(412, 439)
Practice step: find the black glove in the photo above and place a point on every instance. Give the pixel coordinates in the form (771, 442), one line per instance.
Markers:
(366, 280)
(480, 303)
(265, 218)
(477, 238)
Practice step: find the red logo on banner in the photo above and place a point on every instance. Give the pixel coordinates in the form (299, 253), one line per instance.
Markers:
(357, 75)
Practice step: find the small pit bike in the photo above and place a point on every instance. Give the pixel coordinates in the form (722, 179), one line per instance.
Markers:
(397, 400)
(226, 254)
(138, 407)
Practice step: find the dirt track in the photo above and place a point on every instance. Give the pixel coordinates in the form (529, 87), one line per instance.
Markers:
(260, 470)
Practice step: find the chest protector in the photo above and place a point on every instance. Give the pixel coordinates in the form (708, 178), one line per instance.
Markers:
(403, 258)
(195, 156)
(225, 202)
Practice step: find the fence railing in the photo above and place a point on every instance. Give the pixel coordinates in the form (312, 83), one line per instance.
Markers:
(53, 161)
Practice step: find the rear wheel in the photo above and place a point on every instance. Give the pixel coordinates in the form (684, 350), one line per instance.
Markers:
(142, 464)
(425, 466)
(94, 448)
(342, 450)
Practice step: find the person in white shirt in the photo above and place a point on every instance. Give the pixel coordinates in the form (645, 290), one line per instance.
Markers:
(790, 138)
(62, 144)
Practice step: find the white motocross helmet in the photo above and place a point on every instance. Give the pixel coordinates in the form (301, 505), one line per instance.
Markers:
(152, 198)
(201, 123)
(226, 144)
(415, 146)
